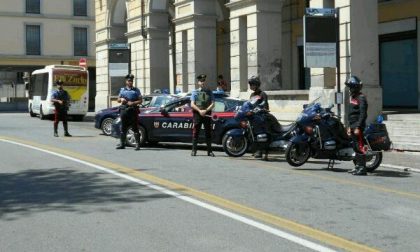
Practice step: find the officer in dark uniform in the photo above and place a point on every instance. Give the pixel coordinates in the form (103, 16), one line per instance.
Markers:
(61, 100)
(357, 122)
(130, 98)
(255, 85)
(202, 103)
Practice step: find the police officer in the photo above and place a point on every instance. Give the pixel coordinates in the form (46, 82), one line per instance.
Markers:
(357, 122)
(61, 100)
(129, 97)
(202, 103)
(255, 85)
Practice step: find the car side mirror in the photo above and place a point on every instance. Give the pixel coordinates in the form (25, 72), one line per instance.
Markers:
(305, 106)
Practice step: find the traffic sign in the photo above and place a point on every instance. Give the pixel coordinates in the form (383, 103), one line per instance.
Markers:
(83, 62)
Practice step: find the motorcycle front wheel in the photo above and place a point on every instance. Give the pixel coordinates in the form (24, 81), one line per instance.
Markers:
(235, 146)
(373, 161)
(297, 154)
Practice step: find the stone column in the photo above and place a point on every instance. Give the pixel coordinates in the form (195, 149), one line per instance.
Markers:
(149, 52)
(158, 42)
(256, 35)
(196, 53)
(102, 98)
(103, 34)
(360, 49)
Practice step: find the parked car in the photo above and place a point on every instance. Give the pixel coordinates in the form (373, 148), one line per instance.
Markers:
(173, 122)
(105, 117)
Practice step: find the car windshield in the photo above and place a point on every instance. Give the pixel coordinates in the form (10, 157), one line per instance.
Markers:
(146, 101)
(161, 100)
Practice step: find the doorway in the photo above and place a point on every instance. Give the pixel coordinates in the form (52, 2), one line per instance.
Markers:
(399, 70)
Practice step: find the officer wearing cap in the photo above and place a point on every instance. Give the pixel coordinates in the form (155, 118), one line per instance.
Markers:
(61, 100)
(130, 98)
(202, 103)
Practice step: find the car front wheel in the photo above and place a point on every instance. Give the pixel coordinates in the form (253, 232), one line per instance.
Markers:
(131, 139)
(106, 126)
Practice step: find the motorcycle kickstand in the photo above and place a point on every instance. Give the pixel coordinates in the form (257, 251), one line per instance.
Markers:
(331, 164)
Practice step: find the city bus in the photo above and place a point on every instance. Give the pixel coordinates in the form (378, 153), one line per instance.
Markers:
(42, 85)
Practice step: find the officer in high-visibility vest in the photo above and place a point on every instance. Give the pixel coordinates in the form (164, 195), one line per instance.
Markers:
(202, 103)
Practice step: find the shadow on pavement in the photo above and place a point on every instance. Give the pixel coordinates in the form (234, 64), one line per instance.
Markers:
(391, 174)
(61, 189)
(321, 169)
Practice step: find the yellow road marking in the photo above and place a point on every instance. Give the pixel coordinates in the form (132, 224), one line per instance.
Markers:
(256, 214)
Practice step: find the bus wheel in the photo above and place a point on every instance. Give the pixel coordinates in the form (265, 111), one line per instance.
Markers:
(41, 114)
(31, 113)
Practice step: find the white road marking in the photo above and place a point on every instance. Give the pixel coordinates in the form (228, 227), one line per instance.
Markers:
(399, 167)
(259, 225)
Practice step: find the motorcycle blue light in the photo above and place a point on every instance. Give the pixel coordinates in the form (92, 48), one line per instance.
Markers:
(379, 119)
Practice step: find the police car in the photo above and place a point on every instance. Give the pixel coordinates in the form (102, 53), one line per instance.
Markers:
(105, 117)
(173, 122)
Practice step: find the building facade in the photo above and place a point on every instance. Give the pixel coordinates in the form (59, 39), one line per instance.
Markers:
(36, 33)
(165, 44)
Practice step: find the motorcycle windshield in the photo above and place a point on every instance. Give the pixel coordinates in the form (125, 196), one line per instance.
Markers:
(242, 112)
(309, 113)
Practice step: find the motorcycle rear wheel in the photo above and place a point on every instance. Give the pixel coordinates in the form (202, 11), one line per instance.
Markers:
(297, 154)
(372, 161)
(235, 147)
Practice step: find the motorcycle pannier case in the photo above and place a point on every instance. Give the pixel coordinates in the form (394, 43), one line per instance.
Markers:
(378, 137)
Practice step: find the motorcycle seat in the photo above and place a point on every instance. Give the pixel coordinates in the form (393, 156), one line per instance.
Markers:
(285, 128)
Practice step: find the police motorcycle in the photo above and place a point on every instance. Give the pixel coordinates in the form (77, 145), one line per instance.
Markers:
(259, 130)
(320, 134)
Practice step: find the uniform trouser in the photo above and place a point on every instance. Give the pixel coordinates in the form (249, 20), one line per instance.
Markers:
(358, 147)
(60, 115)
(198, 121)
(129, 118)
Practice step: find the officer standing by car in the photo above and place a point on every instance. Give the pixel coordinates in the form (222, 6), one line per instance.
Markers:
(357, 122)
(61, 100)
(202, 103)
(130, 98)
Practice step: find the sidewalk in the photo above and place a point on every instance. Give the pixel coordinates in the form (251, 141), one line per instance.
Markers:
(404, 161)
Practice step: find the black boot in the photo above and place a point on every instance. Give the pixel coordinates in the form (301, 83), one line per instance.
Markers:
(137, 136)
(66, 130)
(122, 142)
(55, 130)
(209, 150)
(194, 148)
(361, 165)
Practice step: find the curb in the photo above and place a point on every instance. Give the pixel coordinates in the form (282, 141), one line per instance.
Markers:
(401, 168)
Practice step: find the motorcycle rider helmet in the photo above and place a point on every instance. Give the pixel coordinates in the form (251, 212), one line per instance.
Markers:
(354, 84)
(254, 81)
